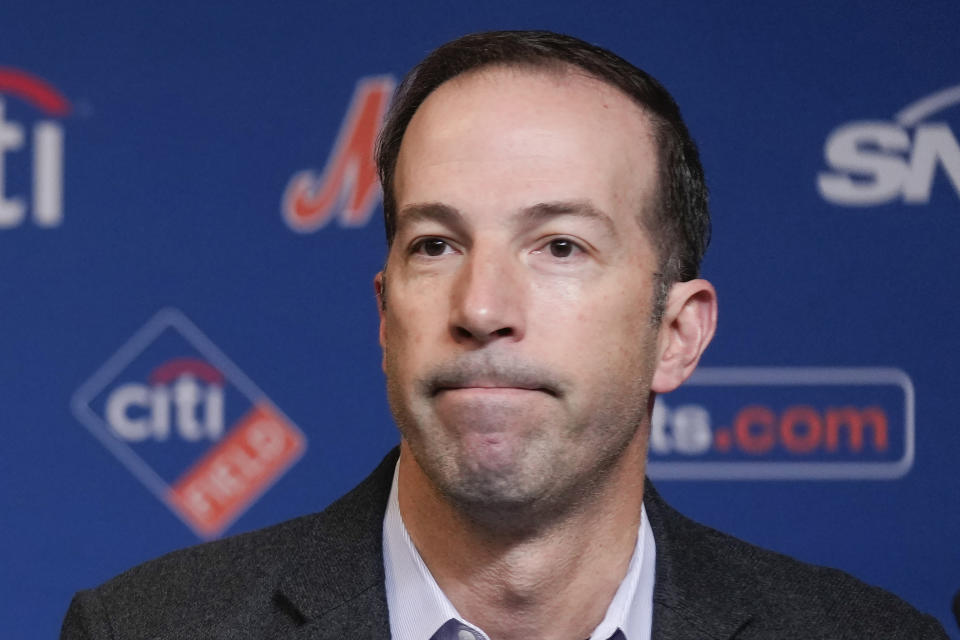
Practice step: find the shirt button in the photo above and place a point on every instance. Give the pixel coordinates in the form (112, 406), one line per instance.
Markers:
(466, 634)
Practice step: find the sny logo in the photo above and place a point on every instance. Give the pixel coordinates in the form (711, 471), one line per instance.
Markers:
(875, 162)
(47, 143)
(162, 405)
(348, 188)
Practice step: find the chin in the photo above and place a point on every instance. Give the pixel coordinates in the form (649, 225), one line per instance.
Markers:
(480, 494)
(496, 477)
(489, 454)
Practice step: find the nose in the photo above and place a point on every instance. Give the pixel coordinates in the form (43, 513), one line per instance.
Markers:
(487, 300)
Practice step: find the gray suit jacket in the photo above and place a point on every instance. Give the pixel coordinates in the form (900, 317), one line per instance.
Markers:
(321, 577)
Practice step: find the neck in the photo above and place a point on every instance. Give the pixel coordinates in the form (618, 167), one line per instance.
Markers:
(529, 583)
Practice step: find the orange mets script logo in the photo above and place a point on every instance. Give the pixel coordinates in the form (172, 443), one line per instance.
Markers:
(348, 188)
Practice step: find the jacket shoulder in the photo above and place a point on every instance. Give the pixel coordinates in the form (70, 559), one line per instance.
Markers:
(235, 587)
(200, 587)
(799, 597)
(703, 573)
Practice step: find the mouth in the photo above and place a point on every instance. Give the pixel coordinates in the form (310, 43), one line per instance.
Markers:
(483, 376)
(494, 387)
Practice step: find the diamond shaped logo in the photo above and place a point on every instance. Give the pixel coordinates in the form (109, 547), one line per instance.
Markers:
(188, 423)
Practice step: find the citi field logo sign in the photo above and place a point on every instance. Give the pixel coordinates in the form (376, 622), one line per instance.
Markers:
(35, 152)
(183, 399)
(348, 188)
(876, 162)
(188, 423)
(731, 423)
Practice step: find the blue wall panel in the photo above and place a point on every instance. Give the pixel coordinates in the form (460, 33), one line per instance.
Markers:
(146, 151)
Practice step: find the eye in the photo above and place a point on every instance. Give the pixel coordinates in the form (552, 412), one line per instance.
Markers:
(430, 247)
(562, 248)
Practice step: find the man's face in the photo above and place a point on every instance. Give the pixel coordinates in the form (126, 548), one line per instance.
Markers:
(516, 328)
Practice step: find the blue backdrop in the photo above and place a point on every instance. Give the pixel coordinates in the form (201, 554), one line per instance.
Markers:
(188, 236)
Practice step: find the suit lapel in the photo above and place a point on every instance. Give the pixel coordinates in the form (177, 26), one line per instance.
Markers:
(334, 583)
(334, 586)
(695, 596)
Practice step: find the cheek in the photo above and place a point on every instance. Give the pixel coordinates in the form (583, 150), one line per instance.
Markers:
(409, 329)
(593, 310)
(607, 338)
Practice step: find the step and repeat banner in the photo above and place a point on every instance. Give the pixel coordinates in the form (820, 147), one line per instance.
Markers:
(190, 225)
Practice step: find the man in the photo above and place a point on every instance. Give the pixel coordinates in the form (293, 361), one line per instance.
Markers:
(546, 216)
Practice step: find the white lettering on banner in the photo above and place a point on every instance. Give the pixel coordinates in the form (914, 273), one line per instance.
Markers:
(685, 429)
(757, 429)
(11, 139)
(136, 412)
(265, 438)
(876, 162)
(47, 173)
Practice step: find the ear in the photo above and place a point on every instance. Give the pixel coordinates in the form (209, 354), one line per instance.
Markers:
(689, 321)
(378, 289)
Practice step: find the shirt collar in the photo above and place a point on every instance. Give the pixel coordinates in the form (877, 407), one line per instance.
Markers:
(631, 609)
(418, 607)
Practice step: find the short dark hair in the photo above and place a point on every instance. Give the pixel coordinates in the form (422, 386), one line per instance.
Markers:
(680, 221)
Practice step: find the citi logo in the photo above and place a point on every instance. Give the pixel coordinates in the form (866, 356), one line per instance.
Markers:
(188, 423)
(348, 188)
(184, 400)
(877, 162)
(39, 147)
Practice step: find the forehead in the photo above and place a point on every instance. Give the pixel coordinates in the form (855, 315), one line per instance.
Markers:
(541, 134)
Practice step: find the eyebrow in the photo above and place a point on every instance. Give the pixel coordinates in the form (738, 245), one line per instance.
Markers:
(431, 212)
(541, 212)
(531, 216)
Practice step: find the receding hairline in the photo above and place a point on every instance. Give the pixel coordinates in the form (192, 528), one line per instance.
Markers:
(560, 70)
(677, 219)
(544, 67)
